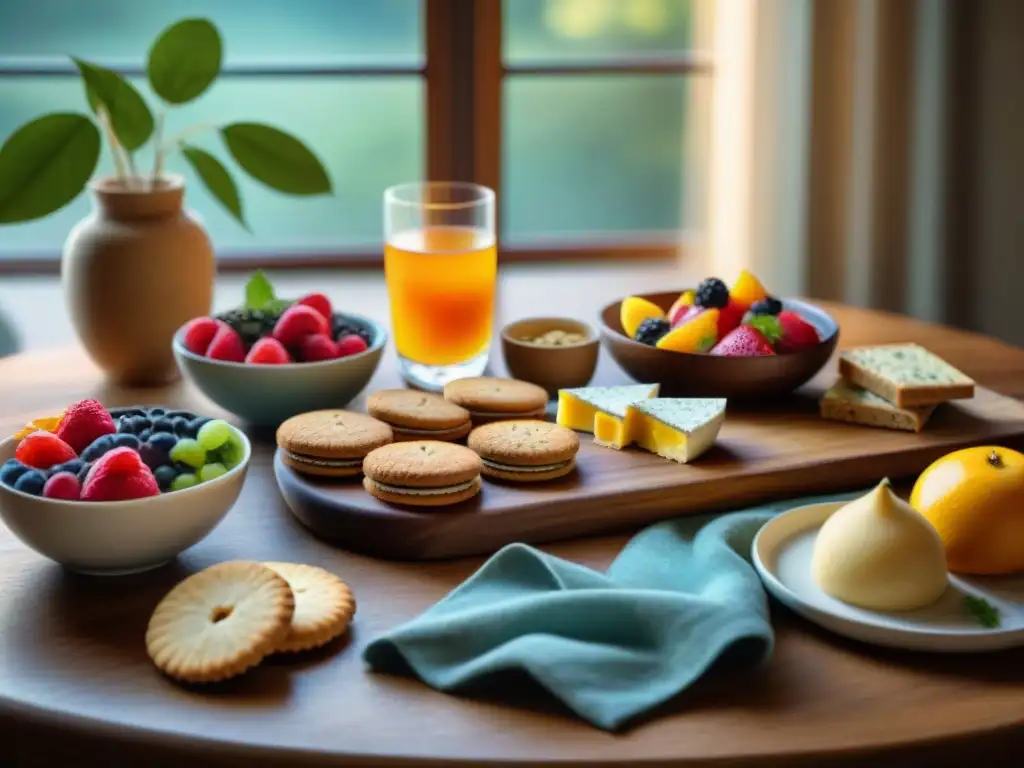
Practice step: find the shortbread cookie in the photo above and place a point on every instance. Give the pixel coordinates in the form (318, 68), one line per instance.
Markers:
(330, 443)
(854, 405)
(525, 451)
(492, 399)
(415, 415)
(424, 473)
(219, 622)
(324, 606)
(904, 374)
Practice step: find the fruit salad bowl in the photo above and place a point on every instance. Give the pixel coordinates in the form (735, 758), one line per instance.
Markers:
(114, 520)
(705, 374)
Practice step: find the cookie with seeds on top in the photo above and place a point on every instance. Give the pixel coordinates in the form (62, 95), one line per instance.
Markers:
(330, 443)
(525, 451)
(489, 398)
(422, 473)
(415, 415)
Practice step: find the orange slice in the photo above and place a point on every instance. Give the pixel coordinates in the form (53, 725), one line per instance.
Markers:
(696, 335)
(42, 424)
(747, 289)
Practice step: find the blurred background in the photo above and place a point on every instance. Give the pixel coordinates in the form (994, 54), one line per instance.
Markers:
(866, 151)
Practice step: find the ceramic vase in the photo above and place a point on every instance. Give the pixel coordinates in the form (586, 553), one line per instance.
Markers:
(133, 271)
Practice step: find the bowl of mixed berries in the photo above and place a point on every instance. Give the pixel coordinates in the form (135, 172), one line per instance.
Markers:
(120, 490)
(273, 358)
(717, 340)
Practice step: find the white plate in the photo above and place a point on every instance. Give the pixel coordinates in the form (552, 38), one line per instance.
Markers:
(782, 556)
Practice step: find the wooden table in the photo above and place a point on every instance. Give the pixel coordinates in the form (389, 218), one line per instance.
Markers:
(76, 687)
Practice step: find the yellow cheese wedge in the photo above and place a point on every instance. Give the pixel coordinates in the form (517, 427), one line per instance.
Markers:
(578, 408)
(680, 429)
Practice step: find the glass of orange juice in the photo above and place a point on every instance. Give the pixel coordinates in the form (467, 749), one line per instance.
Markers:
(441, 264)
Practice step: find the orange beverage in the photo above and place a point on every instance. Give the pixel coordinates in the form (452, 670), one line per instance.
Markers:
(441, 282)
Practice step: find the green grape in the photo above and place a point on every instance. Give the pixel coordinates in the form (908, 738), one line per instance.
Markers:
(232, 452)
(213, 434)
(183, 481)
(209, 472)
(188, 451)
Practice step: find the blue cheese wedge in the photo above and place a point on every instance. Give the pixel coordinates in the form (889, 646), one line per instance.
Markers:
(849, 403)
(581, 409)
(905, 375)
(680, 429)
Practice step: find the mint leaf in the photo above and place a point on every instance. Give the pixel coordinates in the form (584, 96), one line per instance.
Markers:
(982, 611)
(258, 291)
(768, 325)
(278, 306)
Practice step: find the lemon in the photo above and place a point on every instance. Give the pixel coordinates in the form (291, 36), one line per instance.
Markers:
(974, 498)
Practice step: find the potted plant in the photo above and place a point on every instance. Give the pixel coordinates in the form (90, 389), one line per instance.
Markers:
(139, 265)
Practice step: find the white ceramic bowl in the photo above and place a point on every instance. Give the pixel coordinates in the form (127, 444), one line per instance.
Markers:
(112, 538)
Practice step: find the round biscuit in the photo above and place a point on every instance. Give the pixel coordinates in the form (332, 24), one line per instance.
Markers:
(527, 477)
(447, 435)
(333, 434)
(422, 464)
(440, 500)
(324, 606)
(528, 443)
(312, 469)
(219, 622)
(488, 394)
(416, 410)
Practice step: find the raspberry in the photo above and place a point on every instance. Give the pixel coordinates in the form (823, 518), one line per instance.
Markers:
(199, 333)
(320, 303)
(83, 422)
(226, 345)
(268, 351)
(63, 485)
(42, 450)
(351, 345)
(119, 475)
(318, 347)
(298, 322)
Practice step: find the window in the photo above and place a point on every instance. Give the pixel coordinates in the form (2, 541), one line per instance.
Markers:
(586, 115)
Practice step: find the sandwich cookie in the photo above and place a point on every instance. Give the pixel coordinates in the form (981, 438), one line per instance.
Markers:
(422, 473)
(492, 399)
(416, 415)
(525, 451)
(330, 443)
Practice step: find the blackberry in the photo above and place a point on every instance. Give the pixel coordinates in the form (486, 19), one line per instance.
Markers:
(251, 324)
(712, 293)
(766, 306)
(342, 326)
(651, 330)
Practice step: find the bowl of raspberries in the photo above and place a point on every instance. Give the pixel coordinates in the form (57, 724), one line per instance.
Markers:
(120, 490)
(272, 358)
(719, 340)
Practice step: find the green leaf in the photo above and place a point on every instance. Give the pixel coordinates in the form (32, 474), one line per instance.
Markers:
(217, 179)
(45, 164)
(768, 325)
(277, 306)
(185, 60)
(129, 116)
(982, 611)
(276, 159)
(258, 291)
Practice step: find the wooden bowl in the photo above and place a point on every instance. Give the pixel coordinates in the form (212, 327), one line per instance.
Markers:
(552, 368)
(696, 375)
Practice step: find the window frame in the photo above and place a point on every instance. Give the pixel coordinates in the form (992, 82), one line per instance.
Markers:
(463, 74)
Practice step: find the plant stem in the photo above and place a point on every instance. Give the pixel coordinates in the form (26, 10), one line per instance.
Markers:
(115, 147)
(176, 140)
(158, 153)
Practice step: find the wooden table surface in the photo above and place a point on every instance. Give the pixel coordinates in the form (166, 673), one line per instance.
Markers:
(76, 687)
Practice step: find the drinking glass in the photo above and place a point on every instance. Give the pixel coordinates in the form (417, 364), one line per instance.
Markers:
(440, 264)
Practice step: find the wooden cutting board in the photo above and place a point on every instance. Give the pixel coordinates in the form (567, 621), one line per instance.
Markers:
(780, 450)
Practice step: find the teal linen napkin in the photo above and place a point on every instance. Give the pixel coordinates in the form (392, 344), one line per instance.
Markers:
(612, 645)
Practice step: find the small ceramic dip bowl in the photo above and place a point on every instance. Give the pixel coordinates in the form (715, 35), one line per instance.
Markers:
(552, 352)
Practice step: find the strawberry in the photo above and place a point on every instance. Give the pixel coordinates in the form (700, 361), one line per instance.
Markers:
(297, 322)
(226, 345)
(320, 303)
(199, 333)
(268, 351)
(83, 422)
(42, 450)
(118, 475)
(316, 347)
(797, 333)
(743, 341)
(352, 344)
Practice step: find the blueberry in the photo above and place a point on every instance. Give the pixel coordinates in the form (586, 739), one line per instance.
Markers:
(140, 423)
(124, 424)
(179, 414)
(11, 470)
(74, 466)
(131, 411)
(154, 412)
(195, 424)
(126, 441)
(163, 440)
(181, 467)
(162, 424)
(165, 476)
(145, 434)
(83, 472)
(152, 456)
(31, 482)
(97, 448)
(180, 426)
